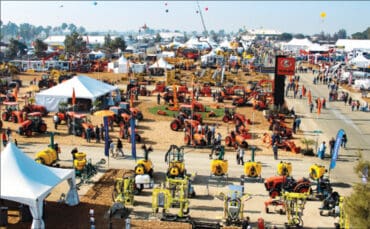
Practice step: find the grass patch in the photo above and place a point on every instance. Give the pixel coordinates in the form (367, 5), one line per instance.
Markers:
(155, 109)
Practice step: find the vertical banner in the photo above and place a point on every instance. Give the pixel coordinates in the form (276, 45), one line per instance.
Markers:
(106, 136)
(338, 142)
(133, 137)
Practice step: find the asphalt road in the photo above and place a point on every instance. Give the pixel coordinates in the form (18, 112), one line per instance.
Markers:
(336, 116)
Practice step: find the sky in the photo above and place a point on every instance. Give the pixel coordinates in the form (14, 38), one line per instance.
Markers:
(284, 16)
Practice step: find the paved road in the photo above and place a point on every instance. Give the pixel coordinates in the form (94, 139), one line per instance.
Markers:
(336, 116)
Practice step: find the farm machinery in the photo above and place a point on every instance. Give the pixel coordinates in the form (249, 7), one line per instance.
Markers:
(323, 189)
(34, 123)
(144, 171)
(219, 169)
(125, 132)
(180, 121)
(235, 139)
(46, 81)
(84, 167)
(294, 204)
(276, 184)
(123, 195)
(78, 125)
(48, 156)
(35, 108)
(234, 205)
(230, 115)
(176, 172)
(135, 112)
(12, 112)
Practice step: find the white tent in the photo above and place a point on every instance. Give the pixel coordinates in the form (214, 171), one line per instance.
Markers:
(360, 61)
(84, 86)
(161, 63)
(296, 44)
(27, 182)
(317, 48)
(350, 44)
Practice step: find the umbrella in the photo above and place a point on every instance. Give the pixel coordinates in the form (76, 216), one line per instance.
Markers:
(104, 113)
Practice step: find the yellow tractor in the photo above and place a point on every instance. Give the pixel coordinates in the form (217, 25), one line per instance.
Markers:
(234, 205)
(144, 171)
(284, 169)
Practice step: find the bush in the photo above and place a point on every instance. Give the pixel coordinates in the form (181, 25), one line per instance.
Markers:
(308, 152)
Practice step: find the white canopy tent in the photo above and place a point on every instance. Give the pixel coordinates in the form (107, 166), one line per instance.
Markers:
(360, 61)
(161, 63)
(84, 86)
(296, 44)
(27, 182)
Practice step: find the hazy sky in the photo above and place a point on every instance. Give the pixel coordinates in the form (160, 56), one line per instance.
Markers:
(285, 16)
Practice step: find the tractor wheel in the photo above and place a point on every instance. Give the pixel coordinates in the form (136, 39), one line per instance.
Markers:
(42, 128)
(225, 119)
(187, 139)
(244, 144)
(274, 193)
(238, 122)
(267, 210)
(5, 117)
(28, 132)
(228, 141)
(302, 188)
(15, 119)
(174, 125)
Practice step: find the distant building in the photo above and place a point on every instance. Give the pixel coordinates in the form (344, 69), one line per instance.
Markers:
(57, 42)
(251, 34)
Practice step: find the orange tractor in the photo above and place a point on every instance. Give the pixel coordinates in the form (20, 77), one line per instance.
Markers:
(274, 185)
(36, 108)
(206, 90)
(230, 115)
(12, 112)
(135, 112)
(34, 123)
(125, 132)
(235, 139)
(120, 115)
(181, 121)
(160, 87)
(79, 124)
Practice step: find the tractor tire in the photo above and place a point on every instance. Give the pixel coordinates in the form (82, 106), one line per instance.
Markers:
(174, 125)
(267, 210)
(228, 141)
(244, 144)
(4, 117)
(225, 119)
(302, 187)
(238, 122)
(15, 119)
(274, 193)
(187, 139)
(42, 128)
(28, 132)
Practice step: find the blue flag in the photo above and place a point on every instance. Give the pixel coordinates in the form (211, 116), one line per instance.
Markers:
(133, 137)
(106, 136)
(338, 142)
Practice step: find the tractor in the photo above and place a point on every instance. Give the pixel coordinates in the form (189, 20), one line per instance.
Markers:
(195, 139)
(34, 123)
(12, 112)
(36, 108)
(132, 110)
(120, 115)
(206, 90)
(274, 185)
(234, 205)
(159, 87)
(46, 81)
(78, 125)
(188, 112)
(230, 115)
(144, 171)
(234, 139)
(323, 186)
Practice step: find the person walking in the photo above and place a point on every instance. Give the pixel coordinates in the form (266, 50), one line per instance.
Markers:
(275, 150)
(119, 148)
(88, 134)
(111, 148)
(5, 140)
(311, 107)
(344, 141)
(102, 132)
(321, 151)
(8, 133)
(158, 98)
(240, 155)
(97, 134)
(56, 121)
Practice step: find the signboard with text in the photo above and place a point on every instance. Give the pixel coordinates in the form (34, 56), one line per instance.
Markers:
(285, 66)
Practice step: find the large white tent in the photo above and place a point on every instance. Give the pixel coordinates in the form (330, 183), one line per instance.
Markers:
(85, 88)
(296, 44)
(27, 182)
(350, 44)
(360, 61)
(119, 66)
(161, 63)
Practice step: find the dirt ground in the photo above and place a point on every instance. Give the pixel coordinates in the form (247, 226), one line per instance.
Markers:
(99, 196)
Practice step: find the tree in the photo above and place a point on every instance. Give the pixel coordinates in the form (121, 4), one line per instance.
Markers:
(286, 36)
(81, 30)
(15, 48)
(64, 26)
(299, 36)
(26, 31)
(119, 43)
(40, 47)
(357, 206)
(362, 35)
(72, 28)
(308, 142)
(74, 43)
(158, 38)
(342, 34)
(107, 42)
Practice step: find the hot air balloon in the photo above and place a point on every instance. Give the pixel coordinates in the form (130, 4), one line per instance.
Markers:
(206, 8)
(165, 3)
(166, 10)
(197, 12)
(95, 3)
(323, 15)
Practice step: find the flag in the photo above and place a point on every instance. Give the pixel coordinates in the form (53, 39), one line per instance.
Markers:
(338, 142)
(133, 137)
(15, 94)
(73, 97)
(106, 136)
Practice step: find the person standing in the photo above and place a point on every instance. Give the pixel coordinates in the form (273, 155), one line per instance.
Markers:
(8, 133)
(97, 134)
(119, 147)
(56, 121)
(111, 148)
(158, 98)
(331, 145)
(344, 141)
(88, 134)
(275, 150)
(102, 132)
(311, 107)
(321, 151)
(240, 155)
(294, 128)
(5, 140)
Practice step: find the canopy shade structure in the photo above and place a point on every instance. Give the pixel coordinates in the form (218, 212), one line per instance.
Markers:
(33, 182)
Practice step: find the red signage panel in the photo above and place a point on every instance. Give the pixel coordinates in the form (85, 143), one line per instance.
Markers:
(285, 66)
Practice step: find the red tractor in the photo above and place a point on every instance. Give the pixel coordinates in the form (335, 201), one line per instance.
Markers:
(46, 81)
(120, 115)
(234, 139)
(36, 108)
(160, 87)
(78, 125)
(206, 90)
(34, 123)
(187, 111)
(135, 112)
(274, 185)
(230, 115)
(12, 112)
(181, 121)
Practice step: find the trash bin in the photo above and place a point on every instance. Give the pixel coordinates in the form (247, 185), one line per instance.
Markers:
(25, 213)
(3, 216)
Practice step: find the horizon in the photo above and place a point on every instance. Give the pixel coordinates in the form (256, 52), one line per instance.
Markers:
(125, 16)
